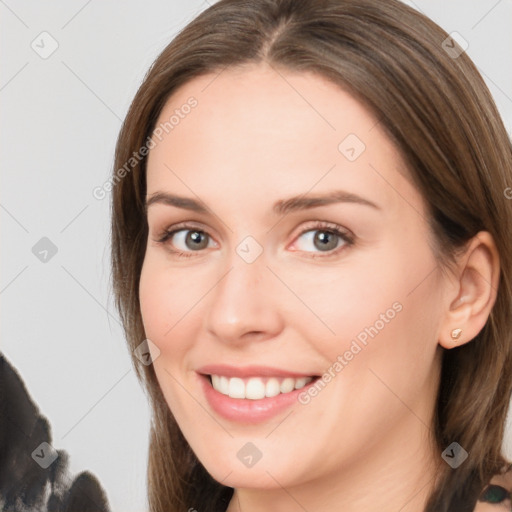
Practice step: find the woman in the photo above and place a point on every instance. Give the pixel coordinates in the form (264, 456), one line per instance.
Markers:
(311, 257)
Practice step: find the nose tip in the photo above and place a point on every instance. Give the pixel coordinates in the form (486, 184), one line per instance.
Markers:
(242, 305)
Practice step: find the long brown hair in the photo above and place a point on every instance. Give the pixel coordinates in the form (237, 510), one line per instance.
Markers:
(438, 111)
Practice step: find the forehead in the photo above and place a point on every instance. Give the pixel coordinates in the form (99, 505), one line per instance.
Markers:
(262, 128)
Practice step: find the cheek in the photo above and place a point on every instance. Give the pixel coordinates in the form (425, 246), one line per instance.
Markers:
(152, 303)
(164, 318)
(345, 305)
(164, 300)
(383, 312)
(172, 317)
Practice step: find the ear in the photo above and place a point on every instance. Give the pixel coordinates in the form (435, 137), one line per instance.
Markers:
(473, 292)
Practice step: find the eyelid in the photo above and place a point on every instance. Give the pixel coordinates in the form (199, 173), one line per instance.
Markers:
(322, 225)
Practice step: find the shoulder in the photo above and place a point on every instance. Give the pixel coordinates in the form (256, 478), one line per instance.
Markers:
(497, 495)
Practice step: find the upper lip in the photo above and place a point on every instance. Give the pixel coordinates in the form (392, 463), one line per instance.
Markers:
(249, 371)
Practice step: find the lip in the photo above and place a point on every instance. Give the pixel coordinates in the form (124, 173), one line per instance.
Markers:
(248, 371)
(247, 411)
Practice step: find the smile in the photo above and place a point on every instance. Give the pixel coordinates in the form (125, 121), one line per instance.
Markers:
(246, 398)
(256, 388)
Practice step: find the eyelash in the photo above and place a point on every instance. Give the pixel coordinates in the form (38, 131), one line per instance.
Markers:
(319, 226)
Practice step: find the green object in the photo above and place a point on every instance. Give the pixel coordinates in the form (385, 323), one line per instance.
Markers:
(494, 494)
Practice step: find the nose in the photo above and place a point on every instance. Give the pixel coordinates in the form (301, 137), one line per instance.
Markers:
(244, 304)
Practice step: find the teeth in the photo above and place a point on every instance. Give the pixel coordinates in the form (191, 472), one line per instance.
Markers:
(300, 383)
(256, 388)
(287, 385)
(271, 389)
(236, 388)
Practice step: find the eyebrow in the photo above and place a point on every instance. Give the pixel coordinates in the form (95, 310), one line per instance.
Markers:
(281, 207)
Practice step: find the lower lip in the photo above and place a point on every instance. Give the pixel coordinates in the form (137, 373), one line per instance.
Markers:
(244, 410)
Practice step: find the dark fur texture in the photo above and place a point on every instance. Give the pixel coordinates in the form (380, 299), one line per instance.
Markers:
(25, 486)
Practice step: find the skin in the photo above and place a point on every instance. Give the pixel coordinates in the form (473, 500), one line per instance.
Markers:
(364, 442)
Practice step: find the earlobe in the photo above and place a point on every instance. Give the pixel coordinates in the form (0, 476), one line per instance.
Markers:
(476, 290)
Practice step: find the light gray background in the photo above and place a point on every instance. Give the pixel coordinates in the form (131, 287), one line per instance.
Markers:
(61, 117)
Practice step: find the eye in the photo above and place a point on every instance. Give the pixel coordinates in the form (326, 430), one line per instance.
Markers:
(324, 238)
(185, 240)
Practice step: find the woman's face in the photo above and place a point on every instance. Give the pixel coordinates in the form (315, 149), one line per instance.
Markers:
(265, 294)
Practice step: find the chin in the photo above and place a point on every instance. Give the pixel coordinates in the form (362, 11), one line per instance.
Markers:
(266, 473)
(249, 478)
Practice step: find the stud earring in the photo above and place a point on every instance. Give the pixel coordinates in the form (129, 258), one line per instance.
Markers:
(456, 334)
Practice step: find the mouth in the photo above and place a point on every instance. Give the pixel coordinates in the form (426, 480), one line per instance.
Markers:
(258, 387)
(252, 394)
(253, 399)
